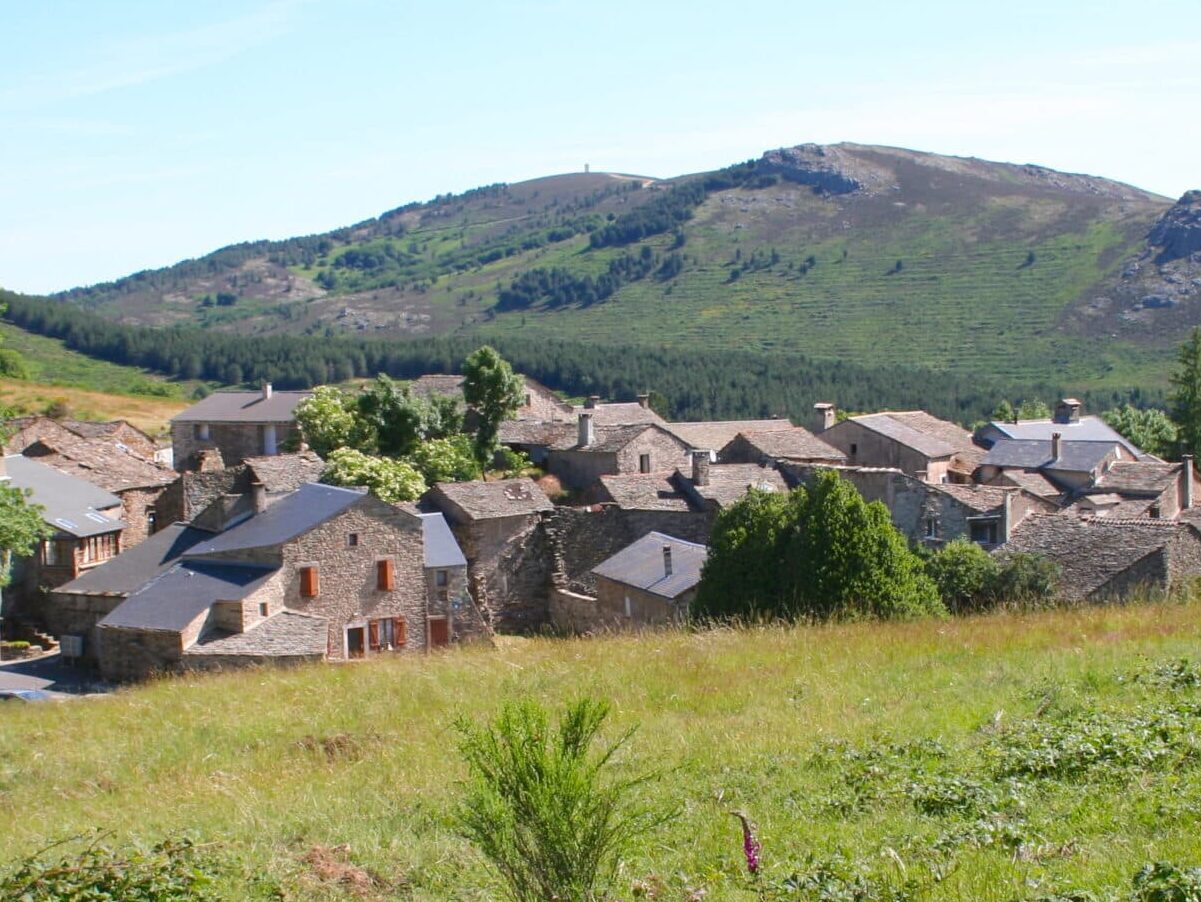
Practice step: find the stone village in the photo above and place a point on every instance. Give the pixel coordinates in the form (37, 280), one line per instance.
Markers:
(224, 550)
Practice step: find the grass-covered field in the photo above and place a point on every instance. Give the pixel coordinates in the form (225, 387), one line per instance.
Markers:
(996, 758)
(148, 413)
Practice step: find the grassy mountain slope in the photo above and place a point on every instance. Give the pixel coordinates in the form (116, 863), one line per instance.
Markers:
(992, 758)
(874, 254)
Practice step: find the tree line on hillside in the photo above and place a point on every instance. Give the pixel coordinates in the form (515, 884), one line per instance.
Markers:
(698, 384)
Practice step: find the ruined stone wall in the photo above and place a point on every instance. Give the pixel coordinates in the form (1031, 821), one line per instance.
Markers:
(216, 663)
(135, 505)
(348, 577)
(1184, 562)
(582, 537)
(510, 563)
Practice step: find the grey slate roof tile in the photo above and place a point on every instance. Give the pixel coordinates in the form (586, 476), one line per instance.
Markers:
(284, 634)
(71, 504)
(715, 435)
(441, 549)
(175, 598)
(1086, 429)
(290, 516)
(133, 568)
(641, 565)
(244, 407)
(500, 498)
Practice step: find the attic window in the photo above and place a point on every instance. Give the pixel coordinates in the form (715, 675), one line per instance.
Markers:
(352, 540)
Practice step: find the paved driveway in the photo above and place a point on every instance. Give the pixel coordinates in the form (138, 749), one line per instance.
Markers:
(49, 672)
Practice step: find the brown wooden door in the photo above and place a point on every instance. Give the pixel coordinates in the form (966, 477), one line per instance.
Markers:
(439, 632)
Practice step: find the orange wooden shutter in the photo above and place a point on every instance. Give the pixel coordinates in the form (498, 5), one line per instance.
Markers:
(373, 635)
(400, 631)
(386, 575)
(309, 584)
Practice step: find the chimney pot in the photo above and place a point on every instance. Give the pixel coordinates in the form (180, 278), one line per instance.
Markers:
(825, 415)
(266, 391)
(667, 560)
(592, 401)
(644, 401)
(258, 494)
(700, 467)
(587, 432)
(1056, 445)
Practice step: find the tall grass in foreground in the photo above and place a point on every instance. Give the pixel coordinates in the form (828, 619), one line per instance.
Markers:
(851, 747)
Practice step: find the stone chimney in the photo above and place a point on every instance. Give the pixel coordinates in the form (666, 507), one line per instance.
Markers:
(592, 402)
(266, 391)
(644, 401)
(667, 560)
(1056, 444)
(1187, 489)
(825, 415)
(1007, 523)
(587, 433)
(1067, 411)
(258, 497)
(700, 467)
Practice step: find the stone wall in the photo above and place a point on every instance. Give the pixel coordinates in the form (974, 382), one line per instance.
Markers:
(580, 469)
(576, 614)
(213, 663)
(644, 608)
(68, 613)
(1148, 575)
(130, 654)
(235, 441)
(867, 448)
(667, 453)
(454, 601)
(509, 563)
(135, 505)
(191, 493)
(1184, 562)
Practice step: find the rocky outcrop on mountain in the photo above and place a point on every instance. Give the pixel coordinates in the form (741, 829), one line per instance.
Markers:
(1178, 232)
(830, 169)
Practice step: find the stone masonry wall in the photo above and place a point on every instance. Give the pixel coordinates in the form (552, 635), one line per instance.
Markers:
(66, 613)
(1148, 575)
(667, 453)
(135, 503)
(580, 469)
(509, 561)
(1184, 562)
(235, 441)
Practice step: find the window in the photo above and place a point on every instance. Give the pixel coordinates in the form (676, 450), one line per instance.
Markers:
(385, 575)
(201, 431)
(56, 554)
(99, 548)
(854, 449)
(386, 634)
(310, 585)
(263, 609)
(352, 540)
(441, 578)
(151, 521)
(984, 532)
(931, 528)
(644, 463)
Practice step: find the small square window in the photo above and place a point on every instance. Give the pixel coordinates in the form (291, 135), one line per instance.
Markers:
(854, 449)
(263, 609)
(441, 578)
(352, 540)
(644, 463)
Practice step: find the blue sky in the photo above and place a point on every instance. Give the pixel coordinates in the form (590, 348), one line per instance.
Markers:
(135, 134)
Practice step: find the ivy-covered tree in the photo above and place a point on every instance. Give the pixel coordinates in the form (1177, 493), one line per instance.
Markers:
(389, 480)
(1150, 429)
(495, 392)
(1186, 393)
(818, 552)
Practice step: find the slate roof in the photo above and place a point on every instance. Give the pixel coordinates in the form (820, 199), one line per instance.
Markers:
(441, 549)
(984, 499)
(620, 413)
(1074, 457)
(641, 565)
(794, 443)
(1091, 551)
(715, 435)
(71, 504)
(650, 491)
(1086, 429)
(1032, 481)
(1131, 477)
(502, 498)
(290, 516)
(605, 439)
(918, 430)
(728, 483)
(285, 472)
(244, 407)
(1113, 506)
(102, 462)
(284, 634)
(175, 598)
(437, 384)
(133, 568)
(534, 432)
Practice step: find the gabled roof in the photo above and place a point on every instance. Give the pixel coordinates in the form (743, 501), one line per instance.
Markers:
(502, 498)
(244, 407)
(984, 499)
(641, 565)
(437, 384)
(282, 635)
(644, 491)
(175, 598)
(794, 443)
(293, 515)
(1074, 457)
(715, 435)
(606, 439)
(918, 430)
(102, 462)
(729, 483)
(1091, 551)
(534, 432)
(1032, 481)
(71, 505)
(1086, 429)
(1139, 477)
(441, 549)
(620, 413)
(285, 472)
(133, 568)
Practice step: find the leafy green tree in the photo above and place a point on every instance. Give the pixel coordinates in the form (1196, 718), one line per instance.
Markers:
(330, 420)
(389, 480)
(442, 417)
(1186, 393)
(817, 552)
(1033, 410)
(1150, 429)
(446, 460)
(1026, 578)
(495, 392)
(21, 529)
(966, 575)
(542, 803)
(13, 365)
(1003, 412)
(397, 418)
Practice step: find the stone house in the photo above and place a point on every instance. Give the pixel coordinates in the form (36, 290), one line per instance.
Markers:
(1069, 465)
(618, 413)
(193, 492)
(236, 425)
(498, 526)
(714, 487)
(1068, 421)
(593, 451)
(323, 572)
(795, 445)
(1108, 558)
(1138, 488)
(87, 532)
(911, 441)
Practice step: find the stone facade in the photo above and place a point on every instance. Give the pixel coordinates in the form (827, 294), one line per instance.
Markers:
(657, 449)
(139, 509)
(509, 566)
(868, 448)
(627, 606)
(191, 493)
(234, 441)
